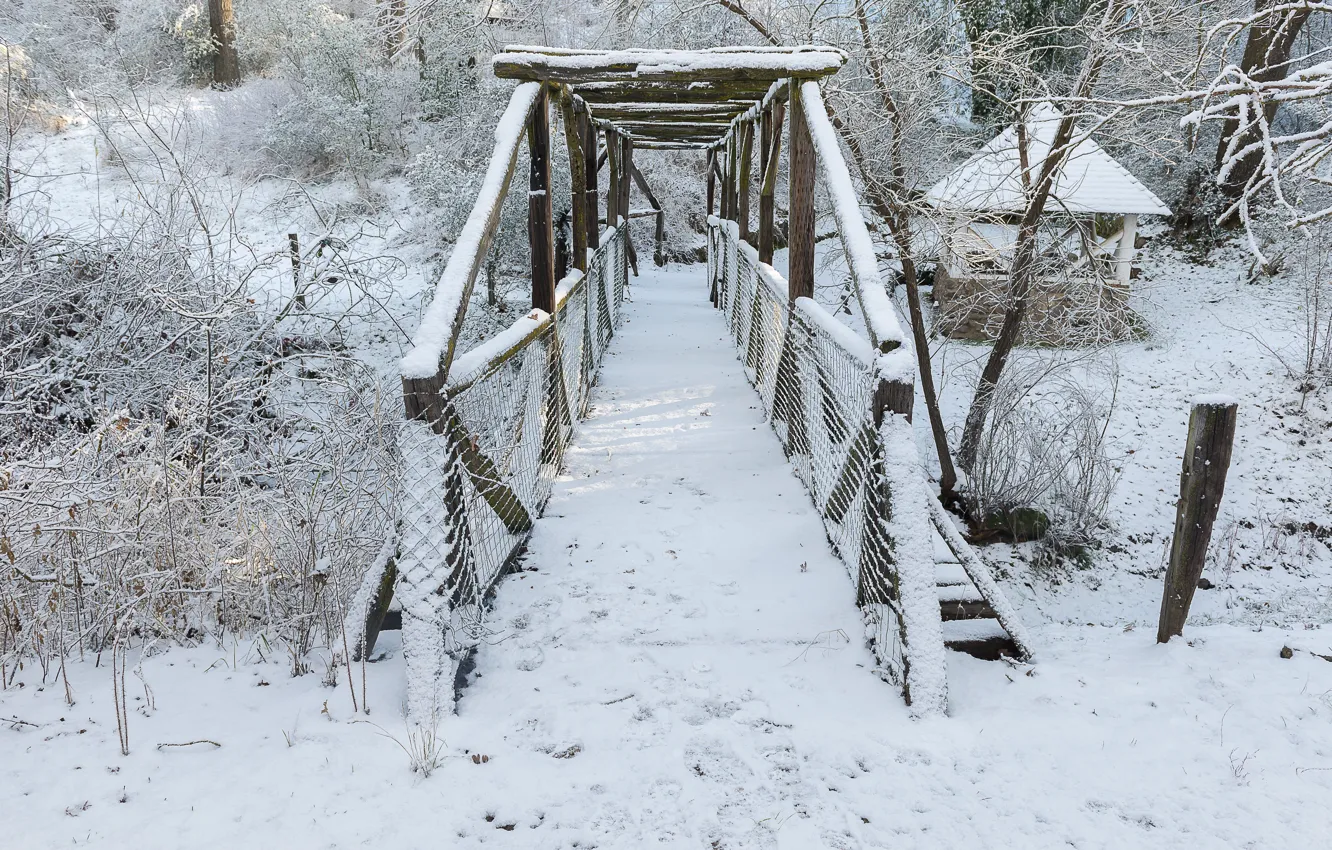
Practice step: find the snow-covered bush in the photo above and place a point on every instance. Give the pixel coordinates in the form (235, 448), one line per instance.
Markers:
(1043, 469)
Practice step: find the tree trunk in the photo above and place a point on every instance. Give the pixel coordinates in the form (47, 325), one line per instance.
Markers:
(222, 23)
(1024, 253)
(1266, 57)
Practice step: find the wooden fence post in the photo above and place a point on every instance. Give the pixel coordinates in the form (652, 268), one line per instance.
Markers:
(590, 214)
(712, 178)
(627, 169)
(613, 150)
(800, 252)
(746, 171)
(540, 216)
(573, 134)
(768, 191)
(1201, 484)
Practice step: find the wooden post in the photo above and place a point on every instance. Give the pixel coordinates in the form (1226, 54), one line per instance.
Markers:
(1206, 460)
(800, 253)
(733, 155)
(712, 178)
(589, 131)
(294, 245)
(1124, 252)
(768, 191)
(742, 184)
(613, 150)
(540, 235)
(626, 169)
(573, 136)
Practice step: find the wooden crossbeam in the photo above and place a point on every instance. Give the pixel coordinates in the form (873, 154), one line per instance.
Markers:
(674, 66)
(706, 93)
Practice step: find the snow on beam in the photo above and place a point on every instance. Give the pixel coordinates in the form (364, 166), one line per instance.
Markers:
(885, 330)
(667, 65)
(433, 345)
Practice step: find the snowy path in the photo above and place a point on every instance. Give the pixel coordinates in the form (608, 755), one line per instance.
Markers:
(686, 623)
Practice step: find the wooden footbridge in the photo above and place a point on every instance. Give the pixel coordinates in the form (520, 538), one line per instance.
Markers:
(487, 429)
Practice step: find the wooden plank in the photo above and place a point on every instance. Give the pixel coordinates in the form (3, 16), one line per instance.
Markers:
(540, 217)
(1201, 485)
(701, 94)
(800, 244)
(624, 67)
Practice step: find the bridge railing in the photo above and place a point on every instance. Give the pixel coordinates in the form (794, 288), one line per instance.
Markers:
(840, 409)
(477, 471)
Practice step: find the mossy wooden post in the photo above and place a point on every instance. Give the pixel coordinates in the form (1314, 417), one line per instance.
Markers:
(744, 178)
(768, 191)
(573, 137)
(626, 169)
(1201, 484)
(613, 150)
(712, 179)
(540, 234)
(591, 213)
(801, 239)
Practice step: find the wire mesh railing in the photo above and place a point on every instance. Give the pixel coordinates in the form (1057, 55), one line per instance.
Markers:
(479, 465)
(831, 402)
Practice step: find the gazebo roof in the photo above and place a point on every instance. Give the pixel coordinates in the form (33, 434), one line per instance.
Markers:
(1090, 181)
(669, 98)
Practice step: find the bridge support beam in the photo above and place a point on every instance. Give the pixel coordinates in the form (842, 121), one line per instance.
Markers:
(627, 169)
(770, 158)
(746, 145)
(588, 130)
(573, 135)
(800, 244)
(613, 151)
(712, 178)
(540, 217)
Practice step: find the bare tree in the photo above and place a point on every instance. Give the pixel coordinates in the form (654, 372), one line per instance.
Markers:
(1104, 27)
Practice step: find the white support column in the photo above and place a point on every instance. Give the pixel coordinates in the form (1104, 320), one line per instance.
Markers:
(1124, 251)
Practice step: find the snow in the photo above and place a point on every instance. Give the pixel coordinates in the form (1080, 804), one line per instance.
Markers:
(880, 314)
(437, 326)
(913, 549)
(688, 674)
(646, 63)
(1090, 180)
(1215, 400)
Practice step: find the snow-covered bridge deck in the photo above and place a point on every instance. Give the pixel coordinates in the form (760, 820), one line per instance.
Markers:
(682, 629)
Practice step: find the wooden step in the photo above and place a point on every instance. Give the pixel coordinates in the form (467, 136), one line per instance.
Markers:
(962, 602)
(983, 638)
(950, 572)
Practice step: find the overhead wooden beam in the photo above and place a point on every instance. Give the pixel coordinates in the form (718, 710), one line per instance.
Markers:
(697, 93)
(540, 217)
(676, 66)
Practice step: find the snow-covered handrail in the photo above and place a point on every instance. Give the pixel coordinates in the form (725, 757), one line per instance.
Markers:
(885, 330)
(433, 345)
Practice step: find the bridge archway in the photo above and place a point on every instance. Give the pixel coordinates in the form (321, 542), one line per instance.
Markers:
(487, 429)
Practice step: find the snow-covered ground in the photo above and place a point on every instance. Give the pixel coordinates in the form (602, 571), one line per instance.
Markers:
(680, 666)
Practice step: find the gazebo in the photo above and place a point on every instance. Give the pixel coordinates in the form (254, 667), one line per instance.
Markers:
(1086, 243)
